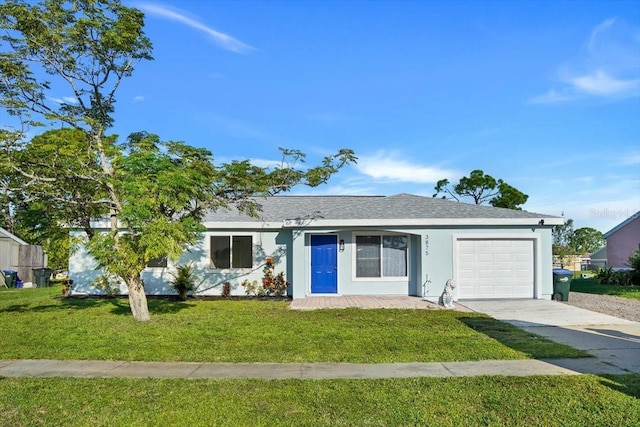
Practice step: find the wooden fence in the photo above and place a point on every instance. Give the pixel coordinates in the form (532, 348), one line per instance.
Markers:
(21, 258)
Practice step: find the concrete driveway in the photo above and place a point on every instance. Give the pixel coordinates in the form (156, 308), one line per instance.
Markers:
(612, 340)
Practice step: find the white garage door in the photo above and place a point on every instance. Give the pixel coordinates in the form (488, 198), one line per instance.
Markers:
(488, 268)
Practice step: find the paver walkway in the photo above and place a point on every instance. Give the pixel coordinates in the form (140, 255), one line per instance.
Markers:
(367, 301)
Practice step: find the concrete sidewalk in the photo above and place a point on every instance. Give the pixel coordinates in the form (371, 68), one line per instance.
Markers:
(193, 370)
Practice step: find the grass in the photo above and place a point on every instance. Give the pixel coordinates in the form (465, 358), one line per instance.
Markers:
(38, 323)
(592, 286)
(489, 401)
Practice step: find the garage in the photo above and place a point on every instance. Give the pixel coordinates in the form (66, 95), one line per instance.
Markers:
(495, 268)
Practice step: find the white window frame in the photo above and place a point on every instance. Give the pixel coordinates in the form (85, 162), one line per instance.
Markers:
(381, 278)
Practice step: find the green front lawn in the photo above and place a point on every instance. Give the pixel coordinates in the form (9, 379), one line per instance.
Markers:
(491, 401)
(38, 323)
(591, 286)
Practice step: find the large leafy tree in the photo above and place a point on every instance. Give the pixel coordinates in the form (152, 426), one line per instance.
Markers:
(482, 188)
(587, 240)
(59, 179)
(568, 241)
(148, 196)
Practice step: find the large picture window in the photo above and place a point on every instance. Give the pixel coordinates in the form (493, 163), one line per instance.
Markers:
(231, 252)
(381, 256)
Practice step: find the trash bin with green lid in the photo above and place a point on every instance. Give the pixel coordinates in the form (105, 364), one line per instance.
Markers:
(561, 284)
(42, 276)
(10, 278)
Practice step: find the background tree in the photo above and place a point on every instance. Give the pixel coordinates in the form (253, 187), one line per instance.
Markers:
(10, 182)
(150, 194)
(482, 189)
(59, 174)
(586, 240)
(562, 236)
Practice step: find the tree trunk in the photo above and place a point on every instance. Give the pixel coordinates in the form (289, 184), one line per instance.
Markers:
(137, 299)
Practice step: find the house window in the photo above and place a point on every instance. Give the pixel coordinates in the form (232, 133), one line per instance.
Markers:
(381, 256)
(231, 252)
(160, 262)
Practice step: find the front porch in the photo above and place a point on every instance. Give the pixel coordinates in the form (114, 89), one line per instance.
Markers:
(367, 301)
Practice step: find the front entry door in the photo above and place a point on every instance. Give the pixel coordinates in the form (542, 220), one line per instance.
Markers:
(324, 264)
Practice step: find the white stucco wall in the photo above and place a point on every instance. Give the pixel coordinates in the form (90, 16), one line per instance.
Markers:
(431, 261)
(83, 269)
(439, 263)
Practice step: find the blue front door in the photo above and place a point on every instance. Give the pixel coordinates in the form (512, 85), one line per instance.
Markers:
(324, 264)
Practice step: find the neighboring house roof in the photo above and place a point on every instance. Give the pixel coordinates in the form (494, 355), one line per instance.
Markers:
(622, 224)
(7, 234)
(600, 254)
(400, 208)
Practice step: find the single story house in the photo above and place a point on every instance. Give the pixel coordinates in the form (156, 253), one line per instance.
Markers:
(622, 241)
(365, 245)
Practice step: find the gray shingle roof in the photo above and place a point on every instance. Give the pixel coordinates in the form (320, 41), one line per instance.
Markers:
(399, 206)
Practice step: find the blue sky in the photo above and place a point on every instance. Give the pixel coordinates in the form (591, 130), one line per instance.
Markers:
(543, 94)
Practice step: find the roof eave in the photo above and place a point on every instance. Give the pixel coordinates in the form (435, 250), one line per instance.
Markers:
(621, 225)
(424, 222)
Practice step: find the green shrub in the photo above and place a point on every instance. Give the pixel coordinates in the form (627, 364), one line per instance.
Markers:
(251, 288)
(605, 276)
(609, 276)
(184, 281)
(273, 285)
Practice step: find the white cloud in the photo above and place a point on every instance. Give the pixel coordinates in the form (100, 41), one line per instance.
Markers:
(385, 165)
(607, 68)
(631, 159)
(552, 97)
(266, 163)
(65, 100)
(223, 40)
(584, 179)
(138, 98)
(597, 31)
(600, 83)
(601, 203)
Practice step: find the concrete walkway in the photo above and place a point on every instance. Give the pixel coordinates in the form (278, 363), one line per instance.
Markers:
(614, 343)
(191, 370)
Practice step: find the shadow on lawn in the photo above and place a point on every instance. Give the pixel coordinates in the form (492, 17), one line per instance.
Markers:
(541, 347)
(14, 308)
(120, 305)
(627, 384)
(532, 345)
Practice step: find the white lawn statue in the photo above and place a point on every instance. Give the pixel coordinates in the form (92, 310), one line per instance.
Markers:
(446, 299)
